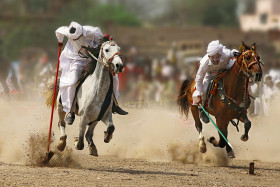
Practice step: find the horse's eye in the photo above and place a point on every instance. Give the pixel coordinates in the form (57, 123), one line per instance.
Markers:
(106, 50)
(248, 57)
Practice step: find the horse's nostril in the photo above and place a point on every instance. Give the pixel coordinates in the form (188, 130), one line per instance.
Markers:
(117, 66)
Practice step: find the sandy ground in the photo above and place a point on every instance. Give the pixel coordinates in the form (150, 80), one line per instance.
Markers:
(151, 147)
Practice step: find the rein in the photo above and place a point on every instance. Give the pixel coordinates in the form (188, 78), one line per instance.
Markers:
(239, 106)
(244, 64)
(108, 63)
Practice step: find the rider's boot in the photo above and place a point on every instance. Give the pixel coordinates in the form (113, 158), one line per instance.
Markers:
(117, 110)
(70, 117)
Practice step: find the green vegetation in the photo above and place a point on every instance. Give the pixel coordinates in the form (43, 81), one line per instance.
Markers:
(27, 23)
(218, 13)
(35, 24)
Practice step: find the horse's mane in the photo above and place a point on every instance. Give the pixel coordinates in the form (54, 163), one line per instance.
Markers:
(91, 65)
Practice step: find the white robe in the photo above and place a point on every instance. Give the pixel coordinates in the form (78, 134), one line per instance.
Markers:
(116, 86)
(275, 74)
(267, 96)
(207, 71)
(72, 64)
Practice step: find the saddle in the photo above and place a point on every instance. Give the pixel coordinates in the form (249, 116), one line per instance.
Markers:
(212, 87)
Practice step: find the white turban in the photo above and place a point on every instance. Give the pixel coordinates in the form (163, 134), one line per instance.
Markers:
(214, 47)
(78, 32)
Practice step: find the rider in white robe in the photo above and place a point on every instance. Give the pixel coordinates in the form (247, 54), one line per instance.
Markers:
(72, 63)
(218, 57)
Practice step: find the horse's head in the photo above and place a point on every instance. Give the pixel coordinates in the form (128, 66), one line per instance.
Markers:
(111, 56)
(249, 62)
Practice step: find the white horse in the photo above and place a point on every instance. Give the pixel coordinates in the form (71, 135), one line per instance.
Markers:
(95, 99)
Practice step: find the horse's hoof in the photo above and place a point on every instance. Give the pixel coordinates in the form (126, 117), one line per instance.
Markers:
(78, 145)
(230, 154)
(202, 145)
(244, 138)
(62, 143)
(202, 148)
(93, 150)
(211, 139)
(107, 136)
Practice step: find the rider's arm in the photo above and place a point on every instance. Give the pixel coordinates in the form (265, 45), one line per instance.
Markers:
(230, 63)
(203, 69)
(61, 32)
(232, 52)
(229, 55)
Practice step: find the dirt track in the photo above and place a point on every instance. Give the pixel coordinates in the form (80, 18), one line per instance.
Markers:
(153, 147)
(115, 171)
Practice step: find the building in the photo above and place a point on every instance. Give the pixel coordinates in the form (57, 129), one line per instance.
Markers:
(266, 16)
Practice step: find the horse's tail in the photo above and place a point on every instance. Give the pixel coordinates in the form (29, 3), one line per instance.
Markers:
(182, 99)
(48, 94)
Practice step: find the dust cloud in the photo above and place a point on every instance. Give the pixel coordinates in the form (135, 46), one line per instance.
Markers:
(264, 137)
(24, 134)
(161, 135)
(36, 153)
(154, 134)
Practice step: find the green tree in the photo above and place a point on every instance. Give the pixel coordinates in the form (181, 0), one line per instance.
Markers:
(113, 13)
(202, 12)
(36, 24)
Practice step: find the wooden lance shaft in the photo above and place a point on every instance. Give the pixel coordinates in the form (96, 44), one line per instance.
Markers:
(54, 91)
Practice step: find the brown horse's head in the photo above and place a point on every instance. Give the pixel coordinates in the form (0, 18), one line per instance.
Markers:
(249, 62)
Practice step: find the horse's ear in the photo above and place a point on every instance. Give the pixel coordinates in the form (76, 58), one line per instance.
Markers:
(243, 47)
(253, 47)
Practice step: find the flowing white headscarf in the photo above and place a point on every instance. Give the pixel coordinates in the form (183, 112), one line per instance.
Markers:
(214, 47)
(78, 32)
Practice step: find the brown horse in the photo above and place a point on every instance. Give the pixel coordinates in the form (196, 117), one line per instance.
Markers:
(229, 100)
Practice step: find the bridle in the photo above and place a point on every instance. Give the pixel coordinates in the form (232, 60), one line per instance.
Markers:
(241, 106)
(245, 67)
(108, 61)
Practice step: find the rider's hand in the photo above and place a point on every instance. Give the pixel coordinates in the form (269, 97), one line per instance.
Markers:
(198, 100)
(60, 43)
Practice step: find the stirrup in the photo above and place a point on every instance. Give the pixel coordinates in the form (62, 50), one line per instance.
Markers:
(203, 116)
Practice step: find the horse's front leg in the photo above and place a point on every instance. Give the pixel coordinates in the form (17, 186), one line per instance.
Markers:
(222, 125)
(61, 124)
(108, 134)
(198, 125)
(89, 135)
(79, 141)
(247, 126)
